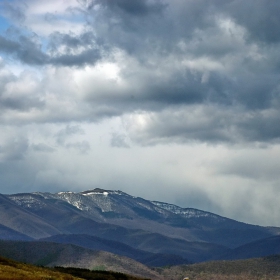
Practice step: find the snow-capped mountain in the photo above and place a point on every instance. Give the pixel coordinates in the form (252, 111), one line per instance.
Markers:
(109, 204)
(122, 209)
(187, 212)
(117, 207)
(153, 226)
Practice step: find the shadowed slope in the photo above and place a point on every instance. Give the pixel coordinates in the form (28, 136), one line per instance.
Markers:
(53, 254)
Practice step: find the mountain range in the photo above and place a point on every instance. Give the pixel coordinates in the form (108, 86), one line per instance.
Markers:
(152, 233)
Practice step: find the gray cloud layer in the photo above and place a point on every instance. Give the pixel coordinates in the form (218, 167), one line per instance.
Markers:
(176, 55)
(143, 73)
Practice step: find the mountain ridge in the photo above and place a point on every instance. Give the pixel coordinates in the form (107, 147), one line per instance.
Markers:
(151, 226)
(51, 254)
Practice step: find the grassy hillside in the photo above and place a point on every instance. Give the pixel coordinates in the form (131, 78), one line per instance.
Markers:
(13, 270)
(67, 255)
(250, 269)
(97, 275)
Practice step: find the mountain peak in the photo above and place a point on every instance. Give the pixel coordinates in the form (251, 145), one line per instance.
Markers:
(95, 191)
(101, 191)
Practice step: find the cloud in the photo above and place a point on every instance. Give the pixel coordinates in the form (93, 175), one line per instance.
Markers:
(119, 141)
(8, 45)
(204, 123)
(261, 165)
(41, 147)
(14, 11)
(190, 87)
(20, 93)
(65, 52)
(83, 147)
(63, 135)
(209, 56)
(24, 48)
(263, 24)
(136, 8)
(13, 149)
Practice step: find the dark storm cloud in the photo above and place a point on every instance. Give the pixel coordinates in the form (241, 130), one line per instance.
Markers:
(177, 55)
(261, 126)
(134, 8)
(86, 57)
(30, 52)
(8, 45)
(71, 41)
(24, 49)
(90, 52)
(195, 24)
(148, 92)
(20, 104)
(160, 27)
(133, 26)
(260, 17)
(207, 123)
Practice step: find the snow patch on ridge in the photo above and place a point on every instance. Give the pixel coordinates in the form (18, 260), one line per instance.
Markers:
(64, 192)
(186, 212)
(27, 201)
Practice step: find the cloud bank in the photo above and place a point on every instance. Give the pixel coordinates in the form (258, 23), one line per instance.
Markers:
(171, 100)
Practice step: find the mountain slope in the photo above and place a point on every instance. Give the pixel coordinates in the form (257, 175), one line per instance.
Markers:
(213, 228)
(68, 219)
(153, 242)
(13, 270)
(190, 224)
(260, 248)
(68, 210)
(151, 226)
(10, 234)
(96, 243)
(53, 254)
(20, 220)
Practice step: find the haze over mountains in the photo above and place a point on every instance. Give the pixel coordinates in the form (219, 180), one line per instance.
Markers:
(150, 232)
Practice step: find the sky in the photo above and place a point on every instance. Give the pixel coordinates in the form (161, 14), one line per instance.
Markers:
(175, 101)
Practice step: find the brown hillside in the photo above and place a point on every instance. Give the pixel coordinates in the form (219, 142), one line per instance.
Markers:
(250, 269)
(14, 270)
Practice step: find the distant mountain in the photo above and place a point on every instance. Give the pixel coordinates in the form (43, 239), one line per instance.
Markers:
(68, 219)
(21, 220)
(10, 234)
(96, 243)
(265, 247)
(172, 232)
(64, 209)
(213, 228)
(52, 254)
